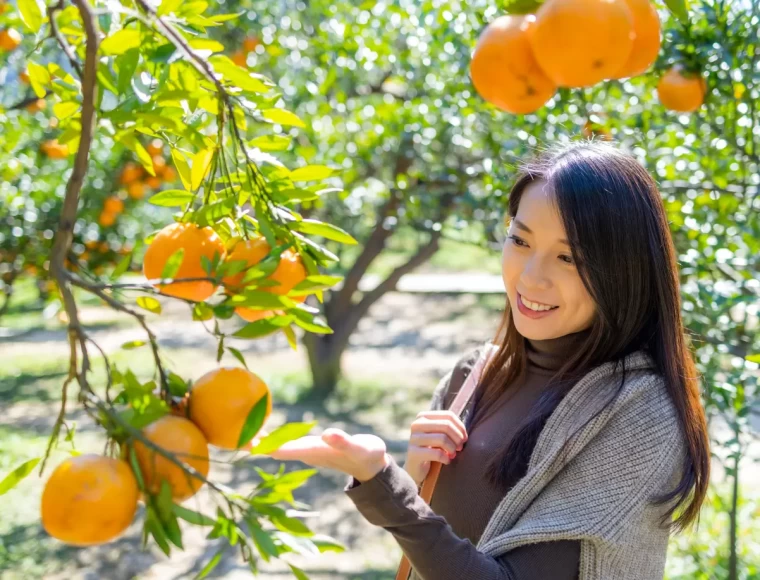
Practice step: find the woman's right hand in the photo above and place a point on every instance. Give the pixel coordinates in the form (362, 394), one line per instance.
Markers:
(436, 436)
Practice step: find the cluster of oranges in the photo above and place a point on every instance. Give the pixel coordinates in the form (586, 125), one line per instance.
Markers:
(134, 178)
(521, 60)
(92, 499)
(112, 207)
(10, 38)
(240, 57)
(54, 150)
(197, 242)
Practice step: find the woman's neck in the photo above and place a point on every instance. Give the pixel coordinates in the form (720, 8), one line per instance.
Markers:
(550, 354)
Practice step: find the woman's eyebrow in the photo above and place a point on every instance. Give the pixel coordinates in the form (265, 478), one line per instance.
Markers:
(521, 226)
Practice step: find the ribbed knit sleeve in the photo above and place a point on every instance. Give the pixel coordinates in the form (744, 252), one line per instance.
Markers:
(390, 500)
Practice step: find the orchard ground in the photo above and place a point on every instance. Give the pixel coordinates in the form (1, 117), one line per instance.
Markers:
(395, 359)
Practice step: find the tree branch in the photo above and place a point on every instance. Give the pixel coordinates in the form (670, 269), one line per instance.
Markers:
(55, 33)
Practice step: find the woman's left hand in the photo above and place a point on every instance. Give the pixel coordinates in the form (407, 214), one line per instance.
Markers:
(362, 456)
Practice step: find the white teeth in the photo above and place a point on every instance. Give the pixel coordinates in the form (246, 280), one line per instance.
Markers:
(535, 305)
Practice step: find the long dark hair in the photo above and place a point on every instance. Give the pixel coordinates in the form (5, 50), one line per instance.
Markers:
(618, 230)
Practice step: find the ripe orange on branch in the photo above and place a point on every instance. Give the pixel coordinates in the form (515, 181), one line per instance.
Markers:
(9, 39)
(113, 205)
(581, 42)
(646, 41)
(222, 399)
(504, 70)
(680, 91)
(55, 150)
(89, 499)
(131, 172)
(195, 243)
(182, 438)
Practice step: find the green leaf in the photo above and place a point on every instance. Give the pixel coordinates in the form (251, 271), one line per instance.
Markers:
(261, 300)
(150, 304)
(240, 77)
(154, 527)
(281, 435)
(212, 563)
(283, 117)
(213, 212)
(173, 264)
(127, 65)
(38, 78)
(206, 44)
(297, 572)
(311, 173)
(679, 8)
(120, 42)
(308, 322)
(14, 477)
(263, 541)
(521, 6)
(183, 169)
(238, 355)
(31, 14)
(261, 328)
(168, 6)
(201, 164)
(755, 358)
(130, 140)
(132, 344)
(171, 198)
(329, 231)
(254, 421)
(292, 525)
(193, 517)
(65, 109)
(327, 544)
(121, 267)
(271, 142)
(290, 335)
(202, 311)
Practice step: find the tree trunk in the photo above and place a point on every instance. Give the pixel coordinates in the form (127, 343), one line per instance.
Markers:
(325, 354)
(733, 561)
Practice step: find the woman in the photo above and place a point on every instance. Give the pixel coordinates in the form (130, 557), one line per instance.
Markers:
(585, 442)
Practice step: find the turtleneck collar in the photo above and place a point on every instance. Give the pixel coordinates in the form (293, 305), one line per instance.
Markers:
(547, 356)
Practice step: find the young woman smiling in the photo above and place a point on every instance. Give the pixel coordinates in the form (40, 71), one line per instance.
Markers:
(585, 443)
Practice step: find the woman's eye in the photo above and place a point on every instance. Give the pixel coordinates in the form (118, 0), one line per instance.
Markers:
(566, 259)
(518, 242)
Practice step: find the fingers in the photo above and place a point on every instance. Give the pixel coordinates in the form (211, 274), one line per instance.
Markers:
(437, 440)
(445, 426)
(437, 415)
(422, 454)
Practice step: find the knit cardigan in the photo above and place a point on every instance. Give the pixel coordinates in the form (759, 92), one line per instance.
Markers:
(592, 474)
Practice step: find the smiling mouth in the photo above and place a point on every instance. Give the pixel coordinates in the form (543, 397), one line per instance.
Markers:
(535, 306)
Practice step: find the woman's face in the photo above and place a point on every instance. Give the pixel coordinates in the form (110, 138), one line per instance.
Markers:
(545, 291)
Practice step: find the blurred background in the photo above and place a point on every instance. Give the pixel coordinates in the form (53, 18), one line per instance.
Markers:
(425, 168)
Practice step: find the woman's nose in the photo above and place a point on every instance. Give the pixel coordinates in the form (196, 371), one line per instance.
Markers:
(534, 276)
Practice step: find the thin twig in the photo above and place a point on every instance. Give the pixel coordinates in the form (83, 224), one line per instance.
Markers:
(55, 33)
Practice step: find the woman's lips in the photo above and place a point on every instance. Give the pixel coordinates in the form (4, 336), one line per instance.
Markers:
(525, 311)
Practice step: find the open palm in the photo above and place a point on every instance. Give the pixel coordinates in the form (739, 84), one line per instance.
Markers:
(361, 456)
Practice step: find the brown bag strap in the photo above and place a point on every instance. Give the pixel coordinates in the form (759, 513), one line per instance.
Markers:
(457, 406)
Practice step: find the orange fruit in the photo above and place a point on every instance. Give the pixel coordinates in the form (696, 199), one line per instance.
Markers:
(289, 273)
(239, 58)
(591, 130)
(195, 242)
(159, 165)
(680, 91)
(136, 190)
(89, 499)
(581, 42)
(155, 147)
(185, 440)
(131, 172)
(55, 150)
(169, 176)
(9, 39)
(23, 76)
(503, 69)
(113, 205)
(250, 44)
(107, 219)
(646, 41)
(153, 182)
(36, 106)
(252, 251)
(221, 400)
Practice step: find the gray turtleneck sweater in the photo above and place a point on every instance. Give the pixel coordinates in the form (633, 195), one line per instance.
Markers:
(464, 498)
